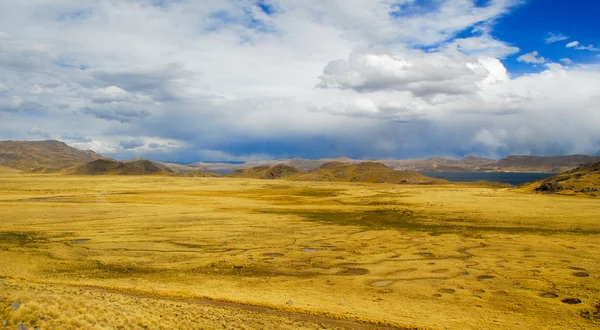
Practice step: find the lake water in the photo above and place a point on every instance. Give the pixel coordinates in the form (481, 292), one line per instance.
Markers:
(510, 178)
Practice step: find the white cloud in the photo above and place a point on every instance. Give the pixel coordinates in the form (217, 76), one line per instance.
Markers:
(577, 45)
(566, 61)
(531, 58)
(36, 131)
(222, 80)
(572, 44)
(552, 37)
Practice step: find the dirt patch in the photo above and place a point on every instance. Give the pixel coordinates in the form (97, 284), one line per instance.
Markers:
(549, 295)
(424, 254)
(572, 301)
(273, 255)
(440, 271)
(352, 272)
(485, 277)
(581, 274)
(380, 284)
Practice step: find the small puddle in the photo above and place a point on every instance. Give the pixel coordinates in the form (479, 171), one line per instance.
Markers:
(309, 250)
(581, 274)
(79, 241)
(381, 284)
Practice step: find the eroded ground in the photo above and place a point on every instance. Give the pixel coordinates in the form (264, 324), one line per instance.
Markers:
(225, 253)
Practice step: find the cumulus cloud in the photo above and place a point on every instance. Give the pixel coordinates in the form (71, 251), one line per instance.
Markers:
(422, 74)
(531, 58)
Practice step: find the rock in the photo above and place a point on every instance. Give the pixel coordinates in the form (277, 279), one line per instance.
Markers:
(15, 305)
(550, 187)
(290, 303)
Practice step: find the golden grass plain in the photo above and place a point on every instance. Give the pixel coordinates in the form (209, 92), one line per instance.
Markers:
(150, 252)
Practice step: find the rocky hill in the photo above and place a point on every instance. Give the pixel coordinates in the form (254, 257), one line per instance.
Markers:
(36, 156)
(364, 172)
(113, 167)
(280, 171)
(582, 180)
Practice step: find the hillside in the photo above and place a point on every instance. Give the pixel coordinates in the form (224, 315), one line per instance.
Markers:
(197, 174)
(555, 164)
(582, 180)
(364, 172)
(47, 155)
(113, 167)
(280, 171)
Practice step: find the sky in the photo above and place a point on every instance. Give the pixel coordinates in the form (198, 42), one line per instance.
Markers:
(241, 80)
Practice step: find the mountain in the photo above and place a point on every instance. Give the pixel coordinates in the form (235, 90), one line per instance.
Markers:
(113, 167)
(47, 155)
(364, 172)
(280, 171)
(582, 180)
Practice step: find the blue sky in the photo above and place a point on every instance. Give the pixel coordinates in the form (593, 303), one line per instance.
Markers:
(529, 25)
(241, 80)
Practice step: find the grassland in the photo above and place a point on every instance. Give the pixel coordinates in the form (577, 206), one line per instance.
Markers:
(171, 252)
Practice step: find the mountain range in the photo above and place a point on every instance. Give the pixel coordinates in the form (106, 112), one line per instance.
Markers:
(53, 156)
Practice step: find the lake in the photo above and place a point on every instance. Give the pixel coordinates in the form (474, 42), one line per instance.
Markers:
(510, 178)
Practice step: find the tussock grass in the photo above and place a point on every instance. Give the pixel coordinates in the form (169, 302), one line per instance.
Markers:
(122, 251)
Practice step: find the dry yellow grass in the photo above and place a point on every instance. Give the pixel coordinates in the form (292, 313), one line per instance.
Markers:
(122, 251)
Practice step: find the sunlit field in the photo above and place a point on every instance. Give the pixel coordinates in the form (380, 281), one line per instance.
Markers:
(168, 252)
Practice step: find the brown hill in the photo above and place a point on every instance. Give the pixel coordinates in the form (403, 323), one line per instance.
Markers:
(113, 167)
(47, 155)
(280, 171)
(197, 174)
(582, 180)
(364, 172)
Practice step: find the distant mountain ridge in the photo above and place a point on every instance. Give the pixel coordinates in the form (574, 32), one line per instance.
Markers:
(555, 164)
(52, 156)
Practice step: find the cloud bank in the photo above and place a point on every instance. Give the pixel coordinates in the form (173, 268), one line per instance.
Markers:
(241, 80)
